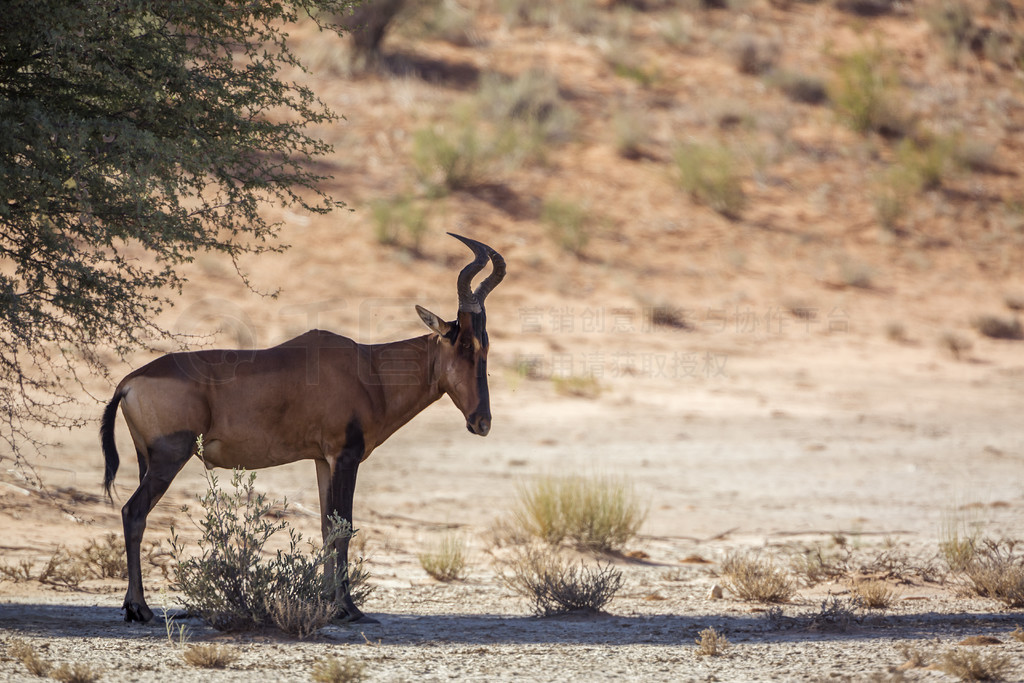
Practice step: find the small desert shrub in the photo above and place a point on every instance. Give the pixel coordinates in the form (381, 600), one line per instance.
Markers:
(64, 569)
(398, 220)
(754, 55)
(447, 560)
(450, 158)
(231, 585)
(79, 672)
(25, 653)
(894, 195)
(864, 94)
(835, 614)
(106, 558)
(339, 670)
(953, 23)
(928, 160)
(631, 132)
(557, 586)
(753, 578)
(567, 224)
(800, 87)
(710, 175)
(532, 101)
(974, 665)
(599, 514)
(996, 327)
(997, 571)
(209, 655)
(956, 344)
(711, 643)
(577, 386)
(875, 594)
(17, 572)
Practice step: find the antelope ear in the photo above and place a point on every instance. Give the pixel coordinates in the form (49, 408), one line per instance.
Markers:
(433, 322)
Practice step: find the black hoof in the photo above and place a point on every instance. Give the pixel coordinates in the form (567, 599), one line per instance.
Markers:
(133, 611)
(353, 618)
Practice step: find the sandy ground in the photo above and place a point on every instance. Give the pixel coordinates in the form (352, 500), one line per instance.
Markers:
(756, 430)
(790, 446)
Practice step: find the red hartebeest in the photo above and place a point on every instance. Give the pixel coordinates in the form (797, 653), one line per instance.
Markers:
(319, 397)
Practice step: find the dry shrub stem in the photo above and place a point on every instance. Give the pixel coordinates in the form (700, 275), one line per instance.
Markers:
(556, 586)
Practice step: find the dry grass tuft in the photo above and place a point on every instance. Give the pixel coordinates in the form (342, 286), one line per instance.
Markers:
(79, 672)
(875, 594)
(974, 665)
(709, 173)
(711, 643)
(997, 571)
(26, 653)
(556, 586)
(447, 560)
(577, 386)
(1018, 634)
(599, 514)
(301, 617)
(338, 670)
(956, 344)
(752, 578)
(210, 655)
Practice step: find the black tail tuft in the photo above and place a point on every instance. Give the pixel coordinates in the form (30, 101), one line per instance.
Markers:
(109, 446)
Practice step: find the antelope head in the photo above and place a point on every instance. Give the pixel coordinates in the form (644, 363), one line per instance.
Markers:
(461, 364)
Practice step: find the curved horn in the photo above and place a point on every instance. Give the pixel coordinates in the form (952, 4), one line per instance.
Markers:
(496, 276)
(468, 301)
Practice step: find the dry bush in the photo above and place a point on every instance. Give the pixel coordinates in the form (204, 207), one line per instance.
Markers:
(451, 158)
(209, 655)
(577, 386)
(997, 571)
(754, 55)
(957, 344)
(106, 558)
(998, 327)
(865, 95)
(974, 665)
(64, 569)
(233, 584)
(958, 542)
(338, 670)
(711, 643)
(836, 614)
(447, 560)
(556, 586)
(568, 224)
(301, 617)
(532, 101)
(79, 672)
(710, 174)
(1018, 634)
(17, 572)
(399, 219)
(800, 87)
(875, 594)
(599, 514)
(26, 653)
(752, 578)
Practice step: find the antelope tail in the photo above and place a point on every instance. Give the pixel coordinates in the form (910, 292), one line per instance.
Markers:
(109, 446)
